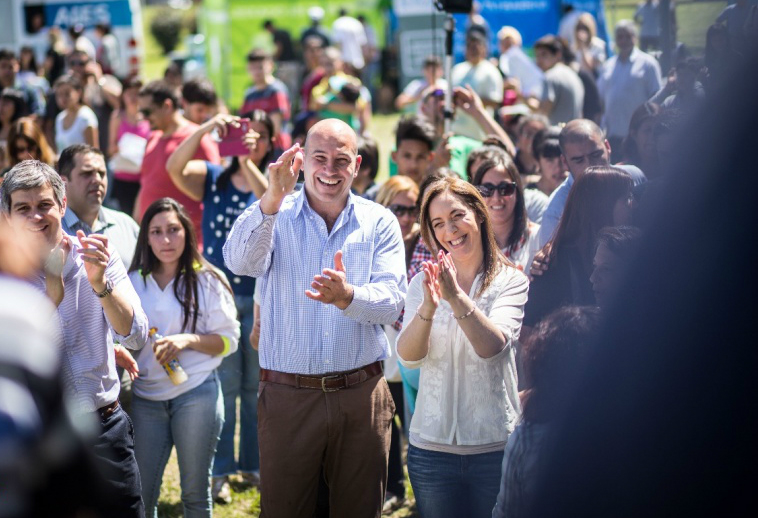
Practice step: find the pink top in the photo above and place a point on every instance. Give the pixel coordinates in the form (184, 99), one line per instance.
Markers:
(142, 129)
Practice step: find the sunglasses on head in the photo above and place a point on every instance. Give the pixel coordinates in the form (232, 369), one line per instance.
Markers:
(403, 210)
(504, 188)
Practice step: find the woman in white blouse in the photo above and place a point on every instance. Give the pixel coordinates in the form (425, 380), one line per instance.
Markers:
(76, 123)
(462, 318)
(502, 188)
(191, 305)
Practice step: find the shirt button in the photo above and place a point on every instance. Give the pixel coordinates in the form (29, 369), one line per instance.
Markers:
(326, 334)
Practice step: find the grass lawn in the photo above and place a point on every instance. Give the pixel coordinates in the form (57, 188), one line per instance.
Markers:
(245, 500)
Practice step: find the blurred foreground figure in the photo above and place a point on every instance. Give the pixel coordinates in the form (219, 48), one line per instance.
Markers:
(664, 423)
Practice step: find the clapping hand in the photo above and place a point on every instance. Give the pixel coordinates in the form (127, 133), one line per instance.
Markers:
(54, 270)
(448, 280)
(332, 287)
(95, 254)
(432, 293)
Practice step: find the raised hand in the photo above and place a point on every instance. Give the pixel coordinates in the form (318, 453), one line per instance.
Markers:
(448, 281)
(282, 177)
(95, 254)
(467, 99)
(221, 124)
(331, 287)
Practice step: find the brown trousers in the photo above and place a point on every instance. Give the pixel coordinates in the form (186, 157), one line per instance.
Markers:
(344, 434)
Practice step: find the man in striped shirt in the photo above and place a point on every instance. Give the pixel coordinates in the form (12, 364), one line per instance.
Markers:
(332, 268)
(96, 304)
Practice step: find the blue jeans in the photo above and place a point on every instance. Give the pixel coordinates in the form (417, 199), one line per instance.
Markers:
(448, 485)
(192, 423)
(239, 373)
(114, 451)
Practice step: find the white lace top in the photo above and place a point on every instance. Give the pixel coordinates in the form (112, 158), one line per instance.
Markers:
(465, 399)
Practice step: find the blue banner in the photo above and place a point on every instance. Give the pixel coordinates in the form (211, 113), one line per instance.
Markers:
(116, 13)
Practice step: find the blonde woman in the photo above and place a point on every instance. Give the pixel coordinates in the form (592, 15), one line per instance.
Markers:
(589, 49)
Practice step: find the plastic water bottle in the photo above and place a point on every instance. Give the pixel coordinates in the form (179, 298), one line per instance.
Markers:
(173, 368)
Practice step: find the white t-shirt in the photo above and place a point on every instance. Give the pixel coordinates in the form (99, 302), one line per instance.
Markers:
(85, 118)
(485, 79)
(349, 34)
(217, 315)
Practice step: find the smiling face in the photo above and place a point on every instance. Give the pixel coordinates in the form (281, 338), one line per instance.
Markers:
(331, 164)
(166, 237)
(35, 211)
(87, 184)
(406, 217)
(500, 208)
(456, 227)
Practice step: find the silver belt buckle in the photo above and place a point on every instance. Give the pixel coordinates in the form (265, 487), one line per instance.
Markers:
(327, 389)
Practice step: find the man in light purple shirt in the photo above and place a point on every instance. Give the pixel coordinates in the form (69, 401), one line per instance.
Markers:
(96, 304)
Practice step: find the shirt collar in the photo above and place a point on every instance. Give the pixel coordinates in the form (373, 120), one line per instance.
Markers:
(73, 222)
(301, 203)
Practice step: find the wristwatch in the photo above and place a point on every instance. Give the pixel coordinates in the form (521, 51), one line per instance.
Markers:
(107, 291)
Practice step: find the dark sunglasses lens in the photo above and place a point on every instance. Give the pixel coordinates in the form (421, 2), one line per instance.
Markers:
(403, 210)
(486, 190)
(506, 189)
(146, 113)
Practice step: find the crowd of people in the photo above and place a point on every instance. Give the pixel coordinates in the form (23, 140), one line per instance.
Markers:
(201, 267)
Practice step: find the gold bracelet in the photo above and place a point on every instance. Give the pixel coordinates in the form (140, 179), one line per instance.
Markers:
(424, 319)
(466, 315)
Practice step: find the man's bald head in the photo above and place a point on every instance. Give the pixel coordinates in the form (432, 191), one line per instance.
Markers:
(331, 163)
(583, 145)
(333, 129)
(580, 130)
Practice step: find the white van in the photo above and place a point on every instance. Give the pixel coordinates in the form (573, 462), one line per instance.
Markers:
(27, 23)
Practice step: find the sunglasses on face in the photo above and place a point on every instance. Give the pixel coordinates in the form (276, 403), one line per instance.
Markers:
(146, 112)
(504, 188)
(403, 210)
(78, 63)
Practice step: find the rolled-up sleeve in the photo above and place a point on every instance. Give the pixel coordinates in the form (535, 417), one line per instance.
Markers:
(412, 303)
(381, 300)
(138, 334)
(248, 247)
(220, 315)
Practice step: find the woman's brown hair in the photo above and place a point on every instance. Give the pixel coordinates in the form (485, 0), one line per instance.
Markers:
(520, 220)
(190, 262)
(30, 131)
(494, 260)
(589, 208)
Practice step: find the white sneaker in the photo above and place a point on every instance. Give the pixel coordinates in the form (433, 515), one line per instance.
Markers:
(221, 491)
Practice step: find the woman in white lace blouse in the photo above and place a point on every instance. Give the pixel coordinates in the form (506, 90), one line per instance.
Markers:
(462, 318)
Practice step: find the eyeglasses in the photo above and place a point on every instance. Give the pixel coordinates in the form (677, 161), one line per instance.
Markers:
(504, 188)
(403, 210)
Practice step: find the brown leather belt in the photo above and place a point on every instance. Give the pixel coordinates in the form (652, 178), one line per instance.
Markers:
(325, 383)
(108, 410)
